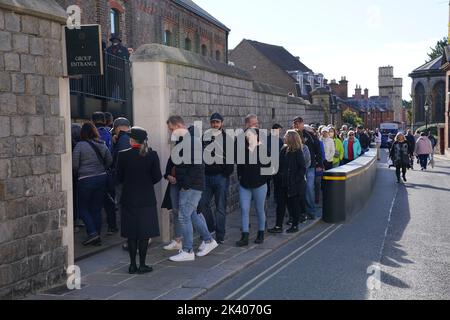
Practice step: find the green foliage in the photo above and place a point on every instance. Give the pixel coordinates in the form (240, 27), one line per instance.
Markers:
(438, 50)
(351, 118)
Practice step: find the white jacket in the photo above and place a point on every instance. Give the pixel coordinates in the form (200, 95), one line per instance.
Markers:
(378, 138)
(330, 149)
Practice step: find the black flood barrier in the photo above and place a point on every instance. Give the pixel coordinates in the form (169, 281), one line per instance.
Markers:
(346, 189)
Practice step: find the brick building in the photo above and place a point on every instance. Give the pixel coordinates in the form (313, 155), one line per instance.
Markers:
(276, 66)
(178, 23)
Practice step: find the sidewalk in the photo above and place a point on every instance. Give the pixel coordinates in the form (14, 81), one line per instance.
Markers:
(105, 276)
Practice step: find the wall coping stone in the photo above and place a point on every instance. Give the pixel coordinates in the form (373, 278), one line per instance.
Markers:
(47, 9)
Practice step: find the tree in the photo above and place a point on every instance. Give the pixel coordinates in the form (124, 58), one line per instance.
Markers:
(438, 50)
(351, 118)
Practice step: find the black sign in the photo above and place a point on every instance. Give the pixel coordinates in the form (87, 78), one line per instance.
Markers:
(84, 51)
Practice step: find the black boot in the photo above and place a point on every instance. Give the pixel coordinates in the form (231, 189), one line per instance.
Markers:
(244, 240)
(260, 238)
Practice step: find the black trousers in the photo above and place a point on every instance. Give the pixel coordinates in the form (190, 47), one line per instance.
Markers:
(295, 205)
(109, 203)
(403, 169)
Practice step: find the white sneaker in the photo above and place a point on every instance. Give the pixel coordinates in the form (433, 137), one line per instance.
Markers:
(183, 256)
(174, 245)
(202, 246)
(208, 248)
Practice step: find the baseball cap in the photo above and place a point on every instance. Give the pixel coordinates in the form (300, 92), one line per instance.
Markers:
(216, 117)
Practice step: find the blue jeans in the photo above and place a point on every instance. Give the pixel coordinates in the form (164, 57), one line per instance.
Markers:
(217, 187)
(259, 198)
(91, 192)
(424, 160)
(188, 217)
(310, 191)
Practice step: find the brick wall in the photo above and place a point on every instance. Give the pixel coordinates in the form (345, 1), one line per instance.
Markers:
(32, 201)
(145, 21)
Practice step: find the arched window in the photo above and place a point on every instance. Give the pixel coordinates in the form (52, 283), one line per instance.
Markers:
(168, 38)
(438, 105)
(115, 21)
(419, 102)
(204, 50)
(218, 55)
(187, 44)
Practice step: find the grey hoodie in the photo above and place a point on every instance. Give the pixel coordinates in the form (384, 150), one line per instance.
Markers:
(85, 161)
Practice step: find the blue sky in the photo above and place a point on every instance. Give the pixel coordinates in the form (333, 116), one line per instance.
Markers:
(341, 38)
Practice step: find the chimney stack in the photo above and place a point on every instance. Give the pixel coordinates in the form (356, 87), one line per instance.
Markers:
(366, 94)
(358, 93)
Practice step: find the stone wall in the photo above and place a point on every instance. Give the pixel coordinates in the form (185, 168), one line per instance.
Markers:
(33, 203)
(169, 81)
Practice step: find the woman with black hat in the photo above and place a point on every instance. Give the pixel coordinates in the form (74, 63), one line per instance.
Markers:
(138, 169)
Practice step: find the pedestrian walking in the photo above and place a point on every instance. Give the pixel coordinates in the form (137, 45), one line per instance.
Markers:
(190, 184)
(423, 150)
(292, 174)
(411, 147)
(138, 170)
(399, 154)
(91, 160)
(378, 141)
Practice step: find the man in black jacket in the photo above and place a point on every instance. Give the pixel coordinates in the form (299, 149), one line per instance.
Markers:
(313, 144)
(363, 138)
(217, 174)
(189, 172)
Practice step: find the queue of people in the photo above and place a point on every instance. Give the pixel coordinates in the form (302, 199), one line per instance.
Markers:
(115, 169)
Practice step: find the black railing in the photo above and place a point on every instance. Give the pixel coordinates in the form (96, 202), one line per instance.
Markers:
(114, 85)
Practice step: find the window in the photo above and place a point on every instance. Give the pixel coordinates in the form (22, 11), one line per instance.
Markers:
(168, 38)
(187, 44)
(218, 55)
(204, 50)
(115, 19)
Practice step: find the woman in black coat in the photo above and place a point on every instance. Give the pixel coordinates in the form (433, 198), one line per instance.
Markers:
(292, 173)
(400, 155)
(138, 170)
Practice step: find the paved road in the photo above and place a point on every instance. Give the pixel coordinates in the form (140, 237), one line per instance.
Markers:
(403, 235)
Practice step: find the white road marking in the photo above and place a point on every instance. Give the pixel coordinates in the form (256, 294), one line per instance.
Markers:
(236, 292)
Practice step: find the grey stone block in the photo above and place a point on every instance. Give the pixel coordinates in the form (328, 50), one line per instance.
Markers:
(21, 167)
(18, 83)
(43, 105)
(39, 165)
(54, 164)
(12, 61)
(2, 26)
(6, 274)
(14, 188)
(12, 21)
(21, 43)
(19, 126)
(5, 82)
(29, 25)
(25, 146)
(53, 126)
(16, 209)
(28, 64)
(8, 104)
(5, 128)
(13, 251)
(35, 126)
(56, 31)
(45, 28)
(34, 85)
(50, 145)
(5, 41)
(37, 46)
(51, 86)
(45, 221)
(42, 184)
(5, 168)
(7, 147)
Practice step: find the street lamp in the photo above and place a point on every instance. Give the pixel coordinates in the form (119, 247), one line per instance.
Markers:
(427, 108)
(369, 114)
